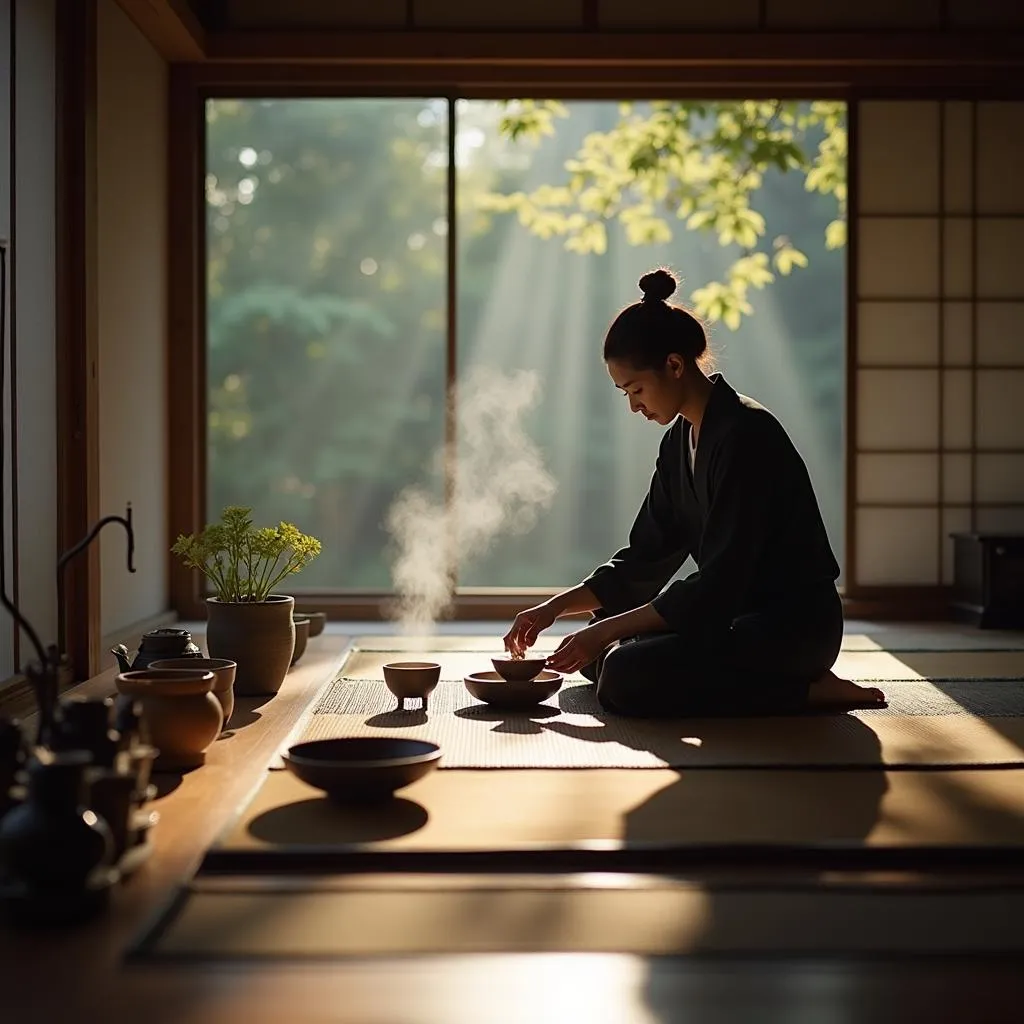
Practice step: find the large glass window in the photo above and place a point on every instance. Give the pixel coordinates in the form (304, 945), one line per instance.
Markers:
(328, 321)
(326, 312)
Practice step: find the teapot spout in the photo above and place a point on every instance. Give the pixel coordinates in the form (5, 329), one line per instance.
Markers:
(121, 653)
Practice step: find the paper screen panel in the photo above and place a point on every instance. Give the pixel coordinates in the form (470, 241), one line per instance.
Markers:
(957, 333)
(898, 409)
(958, 169)
(1001, 520)
(898, 157)
(1001, 408)
(1000, 477)
(901, 333)
(1000, 258)
(1001, 333)
(957, 405)
(956, 478)
(957, 242)
(898, 257)
(898, 479)
(897, 546)
(954, 520)
(1000, 157)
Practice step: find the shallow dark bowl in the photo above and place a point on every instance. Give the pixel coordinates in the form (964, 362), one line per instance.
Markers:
(317, 622)
(301, 623)
(513, 695)
(362, 769)
(412, 678)
(519, 671)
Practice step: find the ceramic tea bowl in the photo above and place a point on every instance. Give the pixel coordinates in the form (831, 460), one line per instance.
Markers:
(317, 622)
(411, 679)
(301, 636)
(513, 695)
(223, 677)
(362, 769)
(518, 670)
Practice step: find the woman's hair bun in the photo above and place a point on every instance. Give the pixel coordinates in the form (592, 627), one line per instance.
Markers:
(658, 284)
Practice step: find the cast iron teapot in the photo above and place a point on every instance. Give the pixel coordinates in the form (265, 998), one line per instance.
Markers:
(157, 644)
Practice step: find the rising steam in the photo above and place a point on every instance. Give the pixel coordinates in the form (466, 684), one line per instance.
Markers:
(499, 487)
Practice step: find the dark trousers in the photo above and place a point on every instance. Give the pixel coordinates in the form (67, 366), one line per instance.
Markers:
(763, 663)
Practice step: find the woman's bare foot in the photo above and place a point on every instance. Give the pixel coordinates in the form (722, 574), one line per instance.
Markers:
(832, 692)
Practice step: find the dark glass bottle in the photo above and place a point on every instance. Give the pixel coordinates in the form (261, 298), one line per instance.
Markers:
(85, 724)
(12, 758)
(53, 851)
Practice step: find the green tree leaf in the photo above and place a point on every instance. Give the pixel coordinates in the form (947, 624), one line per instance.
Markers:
(701, 163)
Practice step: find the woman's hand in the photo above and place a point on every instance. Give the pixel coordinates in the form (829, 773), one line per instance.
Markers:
(528, 625)
(581, 648)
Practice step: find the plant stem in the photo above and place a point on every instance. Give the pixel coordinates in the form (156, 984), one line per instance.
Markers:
(266, 587)
(294, 564)
(216, 576)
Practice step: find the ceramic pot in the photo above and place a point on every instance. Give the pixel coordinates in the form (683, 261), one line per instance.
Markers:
(52, 849)
(258, 636)
(223, 678)
(180, 714)
(301, 623)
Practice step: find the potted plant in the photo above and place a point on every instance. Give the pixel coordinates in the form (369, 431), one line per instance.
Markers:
(246, 621)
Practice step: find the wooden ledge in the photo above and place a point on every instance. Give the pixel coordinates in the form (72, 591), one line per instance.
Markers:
(87, 961)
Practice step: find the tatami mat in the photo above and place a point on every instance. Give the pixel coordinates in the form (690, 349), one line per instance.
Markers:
(571, 731)
(315, 920)
(456, 664)
(480, 810)
(891, 637)
(369, 697)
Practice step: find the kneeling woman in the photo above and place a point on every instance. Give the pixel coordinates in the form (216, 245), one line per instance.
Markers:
(758, 627)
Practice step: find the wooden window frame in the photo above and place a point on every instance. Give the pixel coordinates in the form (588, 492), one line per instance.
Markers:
(805, 66)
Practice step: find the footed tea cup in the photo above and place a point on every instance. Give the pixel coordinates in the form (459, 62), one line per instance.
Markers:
(412, 679)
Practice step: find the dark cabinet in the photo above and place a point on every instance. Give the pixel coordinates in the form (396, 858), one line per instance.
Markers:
(988, 579)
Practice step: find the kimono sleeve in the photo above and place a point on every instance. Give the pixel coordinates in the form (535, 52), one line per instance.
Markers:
(656, 548)
(742, 485)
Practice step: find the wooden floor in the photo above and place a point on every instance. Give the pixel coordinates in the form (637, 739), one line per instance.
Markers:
(79, 975)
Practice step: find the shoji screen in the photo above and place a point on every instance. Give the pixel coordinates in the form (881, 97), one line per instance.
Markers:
(939, 410)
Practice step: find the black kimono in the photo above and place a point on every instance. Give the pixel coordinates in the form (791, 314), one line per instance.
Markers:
(761, 618)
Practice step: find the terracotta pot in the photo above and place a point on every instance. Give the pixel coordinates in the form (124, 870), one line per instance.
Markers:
(258, 636)
(301, 623)
(180, 714)
(223, 678)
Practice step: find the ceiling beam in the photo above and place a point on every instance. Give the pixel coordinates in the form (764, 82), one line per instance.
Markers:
(170, 26)
(621, 49)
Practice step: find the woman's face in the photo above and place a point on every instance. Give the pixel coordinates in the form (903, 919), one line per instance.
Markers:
(656, 395)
